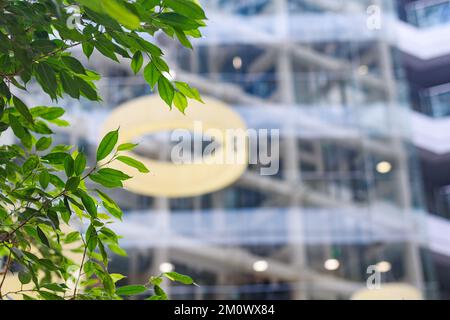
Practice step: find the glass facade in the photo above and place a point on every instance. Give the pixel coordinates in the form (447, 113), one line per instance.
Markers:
(345, 197)
(435, 102)
(428, 13)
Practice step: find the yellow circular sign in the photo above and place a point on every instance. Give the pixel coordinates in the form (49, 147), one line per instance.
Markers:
(213, 172)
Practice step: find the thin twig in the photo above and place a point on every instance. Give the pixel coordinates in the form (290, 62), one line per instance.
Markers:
(8, 264)
(79, 272)
(44, 206)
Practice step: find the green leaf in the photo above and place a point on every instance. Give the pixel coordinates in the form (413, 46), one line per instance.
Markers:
(166, 91)
(31, 231)
(119, 12)
(110, 205)
(107, 144)
(106, 198)
(44, 179)
(17, 84)
(70, 85)
(53, 216)
(113, 174)
(151, 74)
(30, 164)
(3, 126)
(159, 293)
(48, 264)
(41, 127)
(43, 143)
(65, 215)
(127, 146)
(130, 290)
(55, 157)
(47, 113)
(43, 45)
(49, 296)
(117, 277)
(60, 123)
(147, 46)
(137, 62)
(180, 101)
(103, 253)
(68, 213)
(69, 166)
(4, 90)
(156, 281)
(187, 8)
(30, 257)
(183, 39)
(174, 276)
(193, 33)
(80, 164)
(105, 182)
(72, 237)
(54, 287)
(113, 210)
(56, 181)
(188, 91)
(117, 250)
(72, 184)
(73, 64)
(150, 4)
(160, 64)
(109, 234)
(95, 5)
(91, 238)
(178, 21)
(123, 52)
(18, 129)
(133, 163)
(24, 277)
(108, 283)
(27, 141)
(87, 90)
(47, 78)
(88, 203)
(104, 48)
(23, 109)
(88, 48)
(42, 236)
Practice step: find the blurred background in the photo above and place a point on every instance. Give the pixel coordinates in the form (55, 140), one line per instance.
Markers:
(360, 91)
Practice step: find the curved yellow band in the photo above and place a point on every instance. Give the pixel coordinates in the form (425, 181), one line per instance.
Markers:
(149, 114)
(389, 291)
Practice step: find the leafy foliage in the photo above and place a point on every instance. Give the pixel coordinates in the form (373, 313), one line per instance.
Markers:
(43, 187)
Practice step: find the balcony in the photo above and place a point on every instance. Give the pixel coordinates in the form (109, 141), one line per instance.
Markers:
(435, 101)
(428, 13)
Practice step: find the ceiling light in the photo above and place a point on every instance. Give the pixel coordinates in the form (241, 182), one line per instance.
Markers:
(383, 266)
(237, 62)
(363, 70)
(260, 265)
(166, 267)
(331, 264)
(384, 167)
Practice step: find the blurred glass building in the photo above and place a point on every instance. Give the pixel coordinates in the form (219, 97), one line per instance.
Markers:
(426, 57)
(359, 90)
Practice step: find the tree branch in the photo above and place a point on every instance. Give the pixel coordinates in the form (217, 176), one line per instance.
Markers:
(5, 272)
(79, 272)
